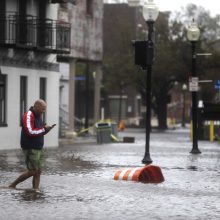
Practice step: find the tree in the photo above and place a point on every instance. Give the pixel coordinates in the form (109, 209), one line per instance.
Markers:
(168, 66)
(172, 55)
(118, 60)
(118, 56)
(208, 67)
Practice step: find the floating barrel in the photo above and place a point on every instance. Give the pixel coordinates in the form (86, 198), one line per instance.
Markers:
(146, 174)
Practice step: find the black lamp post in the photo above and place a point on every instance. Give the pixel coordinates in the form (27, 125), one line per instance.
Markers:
(144, 56)
(150, 14)
(193, 34)
(120, 101)
(184, 88)
(87, 98)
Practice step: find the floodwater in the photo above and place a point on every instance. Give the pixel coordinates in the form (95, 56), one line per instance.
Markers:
(77, 182)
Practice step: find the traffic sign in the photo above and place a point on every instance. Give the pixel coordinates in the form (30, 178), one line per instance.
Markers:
(80, 78)
(217, 84)
(193, 84)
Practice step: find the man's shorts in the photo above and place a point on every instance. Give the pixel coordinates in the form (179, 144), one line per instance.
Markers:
(33, 159)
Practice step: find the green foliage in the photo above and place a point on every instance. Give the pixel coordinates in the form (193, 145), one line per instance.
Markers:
(118, 57)
(172, 56)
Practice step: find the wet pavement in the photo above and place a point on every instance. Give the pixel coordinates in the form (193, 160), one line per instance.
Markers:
(77, 181)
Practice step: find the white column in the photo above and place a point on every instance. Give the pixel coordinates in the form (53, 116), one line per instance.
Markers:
(72, 71)
(98, 78)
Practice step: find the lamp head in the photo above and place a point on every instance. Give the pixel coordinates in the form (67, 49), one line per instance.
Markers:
(150, 11)
(184, 87)
(193, 32)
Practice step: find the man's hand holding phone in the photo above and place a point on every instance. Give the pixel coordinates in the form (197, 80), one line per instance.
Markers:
(49, 127)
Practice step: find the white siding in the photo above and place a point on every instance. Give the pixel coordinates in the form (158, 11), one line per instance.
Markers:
(64, 83)
(10, 135)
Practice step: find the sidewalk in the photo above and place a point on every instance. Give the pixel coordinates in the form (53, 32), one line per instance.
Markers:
(136, 133)
(92, 139)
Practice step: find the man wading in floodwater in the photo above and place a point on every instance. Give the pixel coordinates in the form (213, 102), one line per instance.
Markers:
(32, 141)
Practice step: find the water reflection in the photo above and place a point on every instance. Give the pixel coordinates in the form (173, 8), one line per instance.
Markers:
(67, 162)
(29, 195)
(11, 160)
(56, 161)
(193, 168)
(193, 162)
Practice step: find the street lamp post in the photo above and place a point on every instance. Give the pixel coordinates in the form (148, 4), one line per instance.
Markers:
(87, 99)
(150, 14)
(193, 34)
(184, 88)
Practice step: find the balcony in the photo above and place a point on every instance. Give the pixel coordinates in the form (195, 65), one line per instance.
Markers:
(31, 33)
(64, 1)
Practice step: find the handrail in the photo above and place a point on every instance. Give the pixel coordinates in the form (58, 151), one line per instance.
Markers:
(65, 118)
(32, 32)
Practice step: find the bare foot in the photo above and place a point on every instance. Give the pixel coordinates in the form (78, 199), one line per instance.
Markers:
(37, 190)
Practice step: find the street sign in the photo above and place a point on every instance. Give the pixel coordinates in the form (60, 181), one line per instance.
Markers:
(80, 78)
(204, 54)
(193, 84)
(217, 84)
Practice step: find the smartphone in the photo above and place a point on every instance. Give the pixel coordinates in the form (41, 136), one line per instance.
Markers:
(53, 125)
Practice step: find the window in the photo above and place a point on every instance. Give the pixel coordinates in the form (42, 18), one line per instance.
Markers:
(89, 4)
(64, 1)
(21, 23)
(2, 21)
(2, 100)
(43, 82)
(23, 96)
(43, 95)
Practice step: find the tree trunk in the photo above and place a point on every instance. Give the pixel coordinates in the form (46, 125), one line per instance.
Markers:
(162, 113)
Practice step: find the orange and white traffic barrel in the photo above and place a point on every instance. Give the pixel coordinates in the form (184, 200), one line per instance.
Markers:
(121, 126)
(146, 174)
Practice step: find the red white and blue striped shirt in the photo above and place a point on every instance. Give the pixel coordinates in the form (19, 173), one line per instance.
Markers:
(33, 131)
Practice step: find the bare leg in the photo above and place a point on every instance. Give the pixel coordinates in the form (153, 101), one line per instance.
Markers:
(36, 179)
(22, 178)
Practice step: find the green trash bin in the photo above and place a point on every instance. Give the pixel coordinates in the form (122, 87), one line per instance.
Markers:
(103, 132)
(114, 127)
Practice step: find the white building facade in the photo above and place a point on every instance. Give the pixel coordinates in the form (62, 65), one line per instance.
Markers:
(30, 39)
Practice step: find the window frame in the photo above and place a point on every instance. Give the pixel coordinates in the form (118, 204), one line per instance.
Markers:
(3, 113)
(23, 96)
(89, 8)
(43, 92)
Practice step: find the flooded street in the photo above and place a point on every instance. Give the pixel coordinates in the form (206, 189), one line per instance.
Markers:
(77, 181)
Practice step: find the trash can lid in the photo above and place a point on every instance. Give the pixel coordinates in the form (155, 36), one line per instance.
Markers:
(103, 124)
